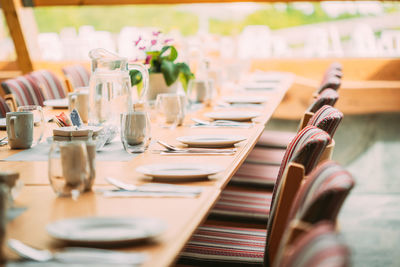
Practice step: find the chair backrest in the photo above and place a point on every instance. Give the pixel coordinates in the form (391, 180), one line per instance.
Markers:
(25, 90)
(326, 97)
(3, 108)
(305, 149)
(335, 66)
(77, 75)
(319, 247)
(51, 85)
(332, 82)
(327, 118)
(320, 197)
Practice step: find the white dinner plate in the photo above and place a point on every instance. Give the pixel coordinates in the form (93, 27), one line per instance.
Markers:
(105, 231)
(245, 99)
(56, 103)
(211, 140)
(232, 115)
(179, 172)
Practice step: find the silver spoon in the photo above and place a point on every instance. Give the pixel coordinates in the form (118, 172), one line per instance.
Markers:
(76, 254)
(169, 147)
(120, 184)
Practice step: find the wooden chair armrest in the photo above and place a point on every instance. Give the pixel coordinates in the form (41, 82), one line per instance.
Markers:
(11, 102)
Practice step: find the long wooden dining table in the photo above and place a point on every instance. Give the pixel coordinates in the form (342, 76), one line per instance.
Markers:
(182, 215)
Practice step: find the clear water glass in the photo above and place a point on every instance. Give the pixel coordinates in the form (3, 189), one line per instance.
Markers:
(135, 131)
(170, 109)
(69, 168)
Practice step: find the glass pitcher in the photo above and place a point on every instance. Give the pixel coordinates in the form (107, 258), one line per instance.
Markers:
(110, 93)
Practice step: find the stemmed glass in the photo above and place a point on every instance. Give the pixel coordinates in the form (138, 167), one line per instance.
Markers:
(170, 110)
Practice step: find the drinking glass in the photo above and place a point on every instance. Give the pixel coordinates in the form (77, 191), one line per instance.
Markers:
(38, 121)
(135, 131)
(200, 91)
(170, 110)
(69, 168)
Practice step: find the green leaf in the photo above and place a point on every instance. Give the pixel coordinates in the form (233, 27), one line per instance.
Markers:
(170, 72)
(184, 74)
(170, 53)
(136, 77)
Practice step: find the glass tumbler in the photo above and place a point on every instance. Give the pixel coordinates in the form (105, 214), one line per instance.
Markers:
(38, 121)
(69, 168)
(135, 131)
(170, 110)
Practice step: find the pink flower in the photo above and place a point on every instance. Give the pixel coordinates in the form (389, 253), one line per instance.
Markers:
(166, 41)
(153, 42)
(156, 33)
(138, 40)
(142, 47)
(148, 59)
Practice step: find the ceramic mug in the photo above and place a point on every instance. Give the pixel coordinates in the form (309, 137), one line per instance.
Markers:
(19, 129)
(79, 100)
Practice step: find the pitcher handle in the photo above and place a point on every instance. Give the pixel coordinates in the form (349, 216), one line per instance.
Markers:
(145, 78)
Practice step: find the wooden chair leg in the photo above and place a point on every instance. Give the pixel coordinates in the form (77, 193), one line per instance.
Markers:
(290, 186)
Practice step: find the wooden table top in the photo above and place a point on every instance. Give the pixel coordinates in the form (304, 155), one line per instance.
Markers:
(182, 215)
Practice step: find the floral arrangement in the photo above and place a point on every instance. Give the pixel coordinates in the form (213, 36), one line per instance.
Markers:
(161, 56)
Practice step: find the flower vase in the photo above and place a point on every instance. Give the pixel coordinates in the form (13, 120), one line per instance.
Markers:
(157, 86)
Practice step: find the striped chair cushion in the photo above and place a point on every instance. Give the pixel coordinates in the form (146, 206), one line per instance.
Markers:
(25, 90)
(327, 118)
(320, 247)
(305, 149)
(78, 75)
(224, 246)
(52, 87)
(323, 193)
(249, 205)
(3, 108)
(332, 82)
(256, 174)
(260, 155)
(326, 97)
(276, 139)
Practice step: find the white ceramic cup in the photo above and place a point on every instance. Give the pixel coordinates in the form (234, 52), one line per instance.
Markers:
(79, 100)
(20, 129)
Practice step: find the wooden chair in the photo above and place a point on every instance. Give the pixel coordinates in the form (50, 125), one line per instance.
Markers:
(25, 90)
(317, 247)
(320, 197)
(326, 118)
(4, 108)
(52, 87)
(11, 102)
(76, 76)
(280, 139)
(311, 200)
(247, 204)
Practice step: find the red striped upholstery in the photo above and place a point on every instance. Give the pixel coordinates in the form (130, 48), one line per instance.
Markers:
(320, 247)
(225, 246)
(327, 118)
(52, 87)
(3, 108)
(323, 193)
(233, 246)
(25, 90)
(305, 149)
(335, 66)
(79, 76)
(243, 205)
(326, 97)
(275, 139)
(260, 155)
(331, 82)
